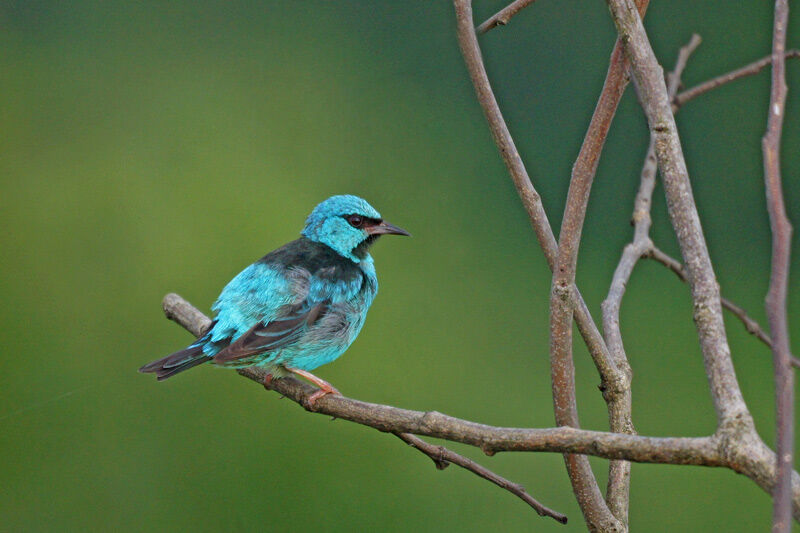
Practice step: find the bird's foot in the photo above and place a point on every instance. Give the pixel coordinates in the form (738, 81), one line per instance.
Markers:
(268, 381)
(319, 394)
(325, 388)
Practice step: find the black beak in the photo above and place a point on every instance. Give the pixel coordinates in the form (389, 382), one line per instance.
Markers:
(384, 228)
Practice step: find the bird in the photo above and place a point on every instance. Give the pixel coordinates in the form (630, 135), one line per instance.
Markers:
(298, 307)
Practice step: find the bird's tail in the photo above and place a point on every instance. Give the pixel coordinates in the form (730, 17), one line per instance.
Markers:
(177, 362)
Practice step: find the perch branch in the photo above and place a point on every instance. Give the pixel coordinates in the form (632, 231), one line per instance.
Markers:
(743, 453)
(182, 312)
(701, 451)
(441, 456)
(502, 17)
(779, 277)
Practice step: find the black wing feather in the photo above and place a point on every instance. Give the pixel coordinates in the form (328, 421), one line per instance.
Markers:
(274, 335)
(177, 362)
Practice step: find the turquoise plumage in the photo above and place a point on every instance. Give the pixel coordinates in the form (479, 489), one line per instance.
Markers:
(298, 307)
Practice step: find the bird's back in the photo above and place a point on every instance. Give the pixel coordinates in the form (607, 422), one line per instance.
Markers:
(297, 276)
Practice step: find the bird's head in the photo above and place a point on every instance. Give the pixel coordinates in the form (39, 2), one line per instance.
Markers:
(349, 225)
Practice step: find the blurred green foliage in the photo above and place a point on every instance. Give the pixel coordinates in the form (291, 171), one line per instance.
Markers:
(152, 147)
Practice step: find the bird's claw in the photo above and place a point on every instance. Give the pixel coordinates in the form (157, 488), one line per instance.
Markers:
(268, 381)
(312, 400)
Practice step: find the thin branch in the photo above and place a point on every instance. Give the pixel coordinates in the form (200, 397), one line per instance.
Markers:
(742, 452)
(530, 199)
(729, 404)
(750, 324)
(619, 472)
(441, 457)
(502, 17)
(747, 70)
(599, 513)
(779, 277)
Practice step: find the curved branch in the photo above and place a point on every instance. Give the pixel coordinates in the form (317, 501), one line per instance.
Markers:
(442, 457)
(619, 472)
(599, 514)
(531, 200)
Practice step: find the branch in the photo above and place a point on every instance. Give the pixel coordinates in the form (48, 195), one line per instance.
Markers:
(441, 456)
(750, 324)
(743, 452)
(531, 200)
(182, 312)
(779, 277)
(598, 513)
(728, 401)
(747, 70)
(490, 439)
(502, 17)
(619, 473)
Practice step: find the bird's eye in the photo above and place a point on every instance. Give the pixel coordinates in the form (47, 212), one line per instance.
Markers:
(355, 220)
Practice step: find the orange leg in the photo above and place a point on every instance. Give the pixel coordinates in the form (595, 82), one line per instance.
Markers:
(268, 380)
(324, 387)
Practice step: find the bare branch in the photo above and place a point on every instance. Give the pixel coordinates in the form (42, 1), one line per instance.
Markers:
(591, 499)
(700, 451)
(182, 312)
(747, 70)
(750, 324)
(779, 277)
(531, 200)
(597, 512)
(502, 17)
(441, 456)
(619, 472)
(728, 401)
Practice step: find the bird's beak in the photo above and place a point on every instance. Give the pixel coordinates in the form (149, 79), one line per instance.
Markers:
(384, 228)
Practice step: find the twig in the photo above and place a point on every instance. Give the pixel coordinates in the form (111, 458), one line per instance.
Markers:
(441, 456)
(779, 277)
(502, 17)
(747, 70)
(750, 325)
(530, 199)
(743, 453)
(619, 473)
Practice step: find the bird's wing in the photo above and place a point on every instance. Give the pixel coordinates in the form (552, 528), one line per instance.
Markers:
(273, 335)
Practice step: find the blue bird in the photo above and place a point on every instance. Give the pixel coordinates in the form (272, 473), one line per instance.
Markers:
(299, 306)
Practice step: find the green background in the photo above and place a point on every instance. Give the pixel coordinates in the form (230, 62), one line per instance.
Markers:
(153, 147)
